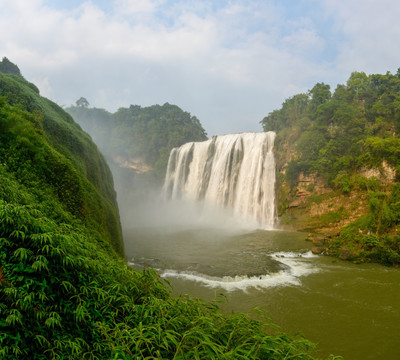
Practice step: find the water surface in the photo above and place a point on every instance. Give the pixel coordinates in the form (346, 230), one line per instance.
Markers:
(348, 309)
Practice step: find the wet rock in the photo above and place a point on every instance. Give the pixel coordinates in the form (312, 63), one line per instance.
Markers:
(318, 240)
(317, 250)
(300, 202)
(346, 254)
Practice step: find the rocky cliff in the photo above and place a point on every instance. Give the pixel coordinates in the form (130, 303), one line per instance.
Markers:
(338, 162)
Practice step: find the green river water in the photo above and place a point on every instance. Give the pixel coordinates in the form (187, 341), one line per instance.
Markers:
(347, 309)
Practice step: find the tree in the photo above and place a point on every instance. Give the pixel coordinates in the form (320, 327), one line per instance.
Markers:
(82, 102)
(7, 67)
(320, 94)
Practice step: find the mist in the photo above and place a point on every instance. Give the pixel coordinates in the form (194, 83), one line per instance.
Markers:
(137, 141)
(143, 204)
(227, 182)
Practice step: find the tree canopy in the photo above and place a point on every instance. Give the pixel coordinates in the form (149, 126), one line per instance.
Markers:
(143, 133)
(337, 136)
(82, 102)
(333, 133)
(7, 67)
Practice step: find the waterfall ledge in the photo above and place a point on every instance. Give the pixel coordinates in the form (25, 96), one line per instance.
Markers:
(234, 172)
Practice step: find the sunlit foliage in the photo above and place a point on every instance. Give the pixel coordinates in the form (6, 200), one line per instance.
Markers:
(337, 135)
(47, 152)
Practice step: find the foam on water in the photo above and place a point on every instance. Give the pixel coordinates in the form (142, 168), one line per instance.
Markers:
(297, 266)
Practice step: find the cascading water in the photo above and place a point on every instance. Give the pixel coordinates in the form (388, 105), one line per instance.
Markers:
(235, 172)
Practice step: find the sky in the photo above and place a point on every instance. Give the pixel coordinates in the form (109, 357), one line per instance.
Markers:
(229, 63)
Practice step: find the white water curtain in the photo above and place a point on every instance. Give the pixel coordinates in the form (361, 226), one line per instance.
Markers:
(235, 171)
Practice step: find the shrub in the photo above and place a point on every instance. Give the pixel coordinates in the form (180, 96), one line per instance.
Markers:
(66, 297)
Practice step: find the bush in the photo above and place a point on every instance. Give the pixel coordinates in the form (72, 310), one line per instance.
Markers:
(63, 296)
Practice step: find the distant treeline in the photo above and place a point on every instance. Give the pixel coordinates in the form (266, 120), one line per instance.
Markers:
(145, 134)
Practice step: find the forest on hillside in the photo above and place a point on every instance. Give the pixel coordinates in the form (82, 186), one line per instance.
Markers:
(357, 125)
(337, 137)
(142, 136)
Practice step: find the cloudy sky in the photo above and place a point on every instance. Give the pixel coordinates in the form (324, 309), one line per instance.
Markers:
(229, 63)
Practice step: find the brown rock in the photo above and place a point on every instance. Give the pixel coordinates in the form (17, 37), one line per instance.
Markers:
(317, 250)
(345, 254)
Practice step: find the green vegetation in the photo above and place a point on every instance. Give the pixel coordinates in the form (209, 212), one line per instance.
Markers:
(47, 152)
(7, 67)
(142, 135)
(65, 290)
(373, 237)
(356, 126)
(335, 137)
(330, 217)
(63, 296)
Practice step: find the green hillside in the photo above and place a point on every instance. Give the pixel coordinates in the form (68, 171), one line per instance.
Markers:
(65, 290)
(143, 137)
(338, 158)
(50, 156)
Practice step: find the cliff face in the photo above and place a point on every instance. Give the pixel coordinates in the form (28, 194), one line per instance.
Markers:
(338, 162)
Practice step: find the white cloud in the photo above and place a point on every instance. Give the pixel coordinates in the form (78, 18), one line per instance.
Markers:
(304, 42)
(43, 84)
(371, 31)
(229, 63)
(135, 7)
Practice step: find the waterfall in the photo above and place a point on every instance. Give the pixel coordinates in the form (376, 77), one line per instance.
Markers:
(235, 171)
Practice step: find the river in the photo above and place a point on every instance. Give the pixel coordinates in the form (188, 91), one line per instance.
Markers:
(347, 309)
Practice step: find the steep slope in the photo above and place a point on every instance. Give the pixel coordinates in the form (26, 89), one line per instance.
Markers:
(339, 166)
(42, 145)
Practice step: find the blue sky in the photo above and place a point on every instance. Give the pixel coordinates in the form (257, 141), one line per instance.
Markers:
(229, 63)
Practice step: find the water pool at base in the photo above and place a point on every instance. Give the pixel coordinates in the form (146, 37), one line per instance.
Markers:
(347, 309)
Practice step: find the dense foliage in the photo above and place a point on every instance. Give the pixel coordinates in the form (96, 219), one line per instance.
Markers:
(144, 135)
(65, 292)
(48, 152)
(63, 296)
(336, 136)
(7, 67)
(375, 236)
(358, 125)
